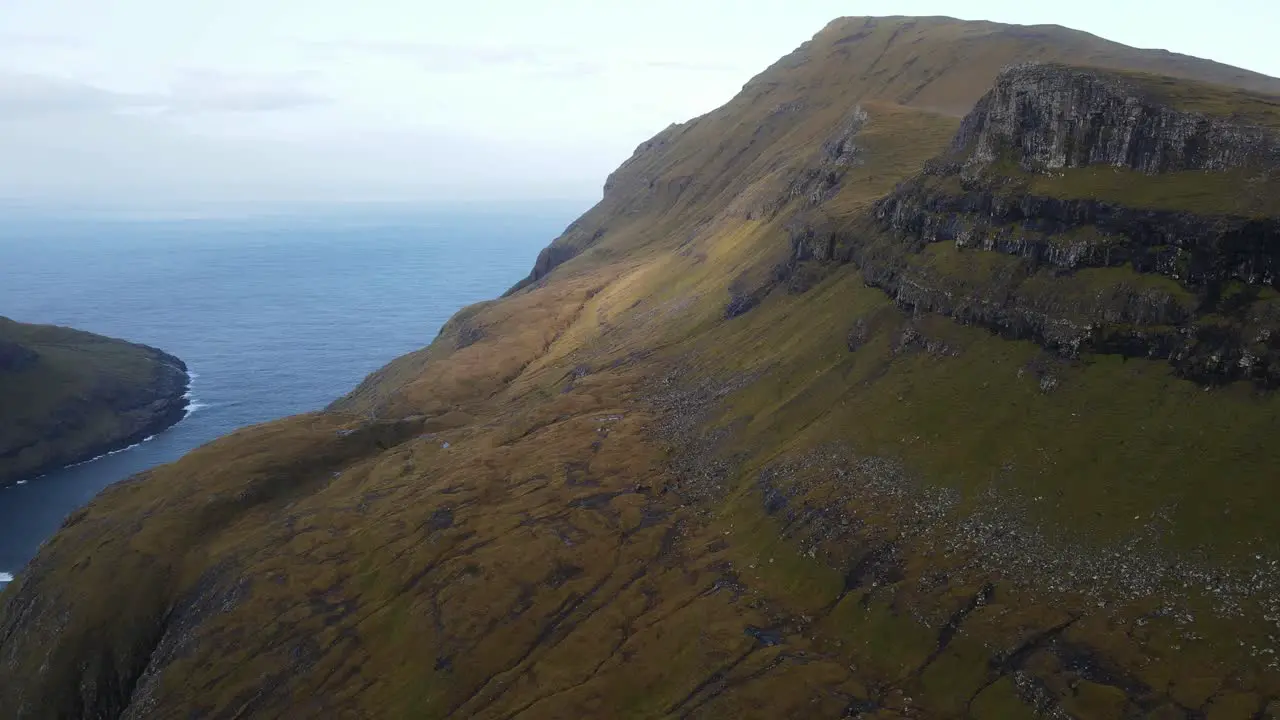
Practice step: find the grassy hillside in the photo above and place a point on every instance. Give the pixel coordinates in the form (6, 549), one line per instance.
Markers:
(938, 65)
(67, 396)
(747, 444)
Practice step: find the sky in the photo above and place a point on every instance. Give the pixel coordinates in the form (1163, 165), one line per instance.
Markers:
(166, 103)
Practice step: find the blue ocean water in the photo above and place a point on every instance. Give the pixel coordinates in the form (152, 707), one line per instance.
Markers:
(274, 315)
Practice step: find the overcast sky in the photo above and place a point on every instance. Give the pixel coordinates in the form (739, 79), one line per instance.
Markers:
(170, 102)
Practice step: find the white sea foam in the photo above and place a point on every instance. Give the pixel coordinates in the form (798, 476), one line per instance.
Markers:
(5, 578)
(192, 404)
(148, 438)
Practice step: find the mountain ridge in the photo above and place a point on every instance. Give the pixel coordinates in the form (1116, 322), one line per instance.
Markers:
(958, 73)
(706, 463)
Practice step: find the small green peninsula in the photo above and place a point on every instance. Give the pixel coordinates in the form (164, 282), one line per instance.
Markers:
(67, 396)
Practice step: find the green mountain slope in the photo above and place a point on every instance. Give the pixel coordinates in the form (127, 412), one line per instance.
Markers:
(938, 65)
(67, 396)
(905, 385)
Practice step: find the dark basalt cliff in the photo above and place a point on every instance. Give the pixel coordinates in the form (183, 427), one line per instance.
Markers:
(1068, 173)
(1054, 117)
(68, 396)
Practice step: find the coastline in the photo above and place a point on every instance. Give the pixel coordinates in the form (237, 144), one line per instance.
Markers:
(173, 401)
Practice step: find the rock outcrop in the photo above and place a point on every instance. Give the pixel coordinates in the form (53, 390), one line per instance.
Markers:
(1069, 173)
(1050, 117)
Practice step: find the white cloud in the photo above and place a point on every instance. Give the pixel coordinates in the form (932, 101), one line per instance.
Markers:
(36, 40)
(213, 91)
(525, 59)
(204, 91)
(24, 96)
(106, 157)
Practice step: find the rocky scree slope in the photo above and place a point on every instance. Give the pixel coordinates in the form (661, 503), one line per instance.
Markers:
(67, 396)
(695, 468)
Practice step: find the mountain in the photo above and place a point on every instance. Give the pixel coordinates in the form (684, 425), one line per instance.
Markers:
(70, 395)
(932, 376)
(939, 65)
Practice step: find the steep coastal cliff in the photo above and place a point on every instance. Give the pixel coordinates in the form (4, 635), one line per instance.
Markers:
(911, 383)
(70, 396)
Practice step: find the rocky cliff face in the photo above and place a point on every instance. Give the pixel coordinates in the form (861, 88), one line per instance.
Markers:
(1051, 117)
(1071, 172)
(70, 396)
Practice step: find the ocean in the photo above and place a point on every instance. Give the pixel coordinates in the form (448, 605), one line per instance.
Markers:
(274, 315)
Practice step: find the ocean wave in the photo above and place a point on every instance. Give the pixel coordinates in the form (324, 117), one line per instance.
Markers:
(5, 578)
(192, 406)
(192, 403)
(146, 439)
